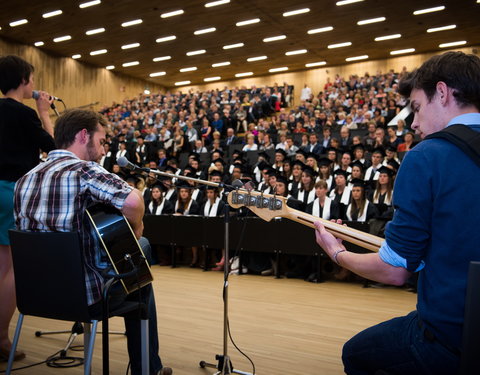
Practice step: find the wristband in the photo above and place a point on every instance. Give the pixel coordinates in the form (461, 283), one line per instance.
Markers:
(335, 255)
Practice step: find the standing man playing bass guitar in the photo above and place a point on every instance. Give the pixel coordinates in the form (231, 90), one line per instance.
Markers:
(54, 196)
(433, 231)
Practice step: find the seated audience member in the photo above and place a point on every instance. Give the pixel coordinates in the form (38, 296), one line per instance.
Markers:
(341, 193)
(408, 143)
(360, 208)
(323, 206)
(306, 193)
(158, 205)
(250, 145)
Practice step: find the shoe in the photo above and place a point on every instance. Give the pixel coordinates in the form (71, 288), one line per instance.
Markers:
(221, 263)
(4, 353)
(218, 268)
(268, 272)
(166, 371)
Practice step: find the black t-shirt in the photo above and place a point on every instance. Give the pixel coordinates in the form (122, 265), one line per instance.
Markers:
(21, 138)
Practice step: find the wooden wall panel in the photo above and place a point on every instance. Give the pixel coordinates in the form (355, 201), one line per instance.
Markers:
(76, 83)
(316, 78)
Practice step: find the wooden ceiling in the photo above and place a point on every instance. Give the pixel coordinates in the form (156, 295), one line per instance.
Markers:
(110, 14)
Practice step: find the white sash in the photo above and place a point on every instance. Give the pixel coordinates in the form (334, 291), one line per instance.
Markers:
(158, 210)
(211, 212)
(169, 193)
(187, 210)
(362, 217)
(311, 195)
(326, 208)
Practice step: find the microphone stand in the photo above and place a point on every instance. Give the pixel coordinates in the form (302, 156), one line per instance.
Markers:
(224, 364)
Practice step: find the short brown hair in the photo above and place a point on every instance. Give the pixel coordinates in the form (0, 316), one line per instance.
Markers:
(74, 120)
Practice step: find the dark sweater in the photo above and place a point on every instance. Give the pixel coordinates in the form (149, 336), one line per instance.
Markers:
(21, 138)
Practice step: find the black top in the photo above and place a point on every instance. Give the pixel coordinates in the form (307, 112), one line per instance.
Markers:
(21, 138)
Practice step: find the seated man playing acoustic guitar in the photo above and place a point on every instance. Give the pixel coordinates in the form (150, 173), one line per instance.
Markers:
(54, 196)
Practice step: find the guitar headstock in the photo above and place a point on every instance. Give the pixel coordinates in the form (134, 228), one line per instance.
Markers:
(266, 206)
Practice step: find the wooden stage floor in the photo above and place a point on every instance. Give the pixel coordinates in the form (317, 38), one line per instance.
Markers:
(286, 326)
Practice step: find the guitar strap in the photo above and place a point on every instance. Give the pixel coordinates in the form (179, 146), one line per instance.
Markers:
(462, 136)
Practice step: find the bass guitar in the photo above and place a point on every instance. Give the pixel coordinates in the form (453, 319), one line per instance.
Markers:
(122, 248)
(268, 206)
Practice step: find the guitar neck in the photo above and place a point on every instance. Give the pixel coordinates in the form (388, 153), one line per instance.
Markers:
(357, 237)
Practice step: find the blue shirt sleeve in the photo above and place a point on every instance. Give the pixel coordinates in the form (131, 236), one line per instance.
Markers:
(408, 234)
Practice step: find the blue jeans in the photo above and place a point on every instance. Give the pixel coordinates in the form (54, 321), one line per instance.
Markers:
(132, 324)
(398, 347)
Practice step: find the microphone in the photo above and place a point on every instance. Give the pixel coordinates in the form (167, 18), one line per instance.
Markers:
(36, 95)
(124, 163)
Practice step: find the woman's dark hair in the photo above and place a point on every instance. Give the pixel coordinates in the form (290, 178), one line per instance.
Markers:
(74, 120)
(458, 70)
(13, 71)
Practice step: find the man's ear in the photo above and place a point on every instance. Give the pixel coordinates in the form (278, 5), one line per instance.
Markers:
(82, 137)
(444, 92)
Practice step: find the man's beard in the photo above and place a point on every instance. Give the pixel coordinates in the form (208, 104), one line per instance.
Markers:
(92, 154)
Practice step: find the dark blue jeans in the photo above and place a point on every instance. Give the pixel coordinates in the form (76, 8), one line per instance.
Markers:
(398, 347)
(132, 324)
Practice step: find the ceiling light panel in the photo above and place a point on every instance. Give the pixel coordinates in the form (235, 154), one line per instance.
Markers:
(131, 45)
(275, 70)
(157, 74)
(172, 13)
(197, 52)
(161, 58)
(453, 44)
(77, 56)
(256, 58)
(95, 31)
(296, 52)
(371, 20)
(318, 63)
(132, 23)
(18, 22)
(274, 38)
(224, 63)
(346, 2)
(356, 58)
(110, 67)
(402, 51)
(428, 10)
(246, 74)
(182, 83)
(296, 12)
(216, 3)
(98, 52)
(189, 69)
(248, 22)
(62, 38)
(39, 44)
(339, 45)
(210, 79)
(387, 37)
(166, 38)
(205, 31)
(441, 28)
(236, 45)
(52, 13)
(131, 63)
(320, 30)
(89, 4)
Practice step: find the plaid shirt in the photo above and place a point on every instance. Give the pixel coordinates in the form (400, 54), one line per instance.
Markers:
(53, 197)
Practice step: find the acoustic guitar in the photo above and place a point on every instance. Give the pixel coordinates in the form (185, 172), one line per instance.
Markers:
(120, 244)
(268, 206)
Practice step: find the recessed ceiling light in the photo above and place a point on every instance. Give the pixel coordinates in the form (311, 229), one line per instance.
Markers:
(210, 79)
(146, 92)
(236, 45)
(172, 13)
(248, 22)
(162, 58)
(181, 83)
(205, 31)
(319, 63)
(296, 52)
(197, 52)
(442, 28)
(62, 38)
(89, 4)
(98, 52)
(246, 74)
(339, 45)
(355, 58)
(131, 45)
(256, 58)
(453, 44)
(320, 30)
(282, 69)
(131, 63)
(166, 38)
(77, 56)
(132, 22)
(95, 31)
(429, 10)
(38, 44)
(402, 51)
(157, 74)
(190, 69)
(346, 2)
(371, 20)
(387, 37)
(295, 12)
(18, 22)
(274, 38)
(215, 3)
(224, 63)
(52, 14)
(110, 67)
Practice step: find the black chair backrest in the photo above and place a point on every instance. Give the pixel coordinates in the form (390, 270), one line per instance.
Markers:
(49, 275)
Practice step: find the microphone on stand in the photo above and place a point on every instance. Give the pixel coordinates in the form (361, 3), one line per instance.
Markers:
(124, 163)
